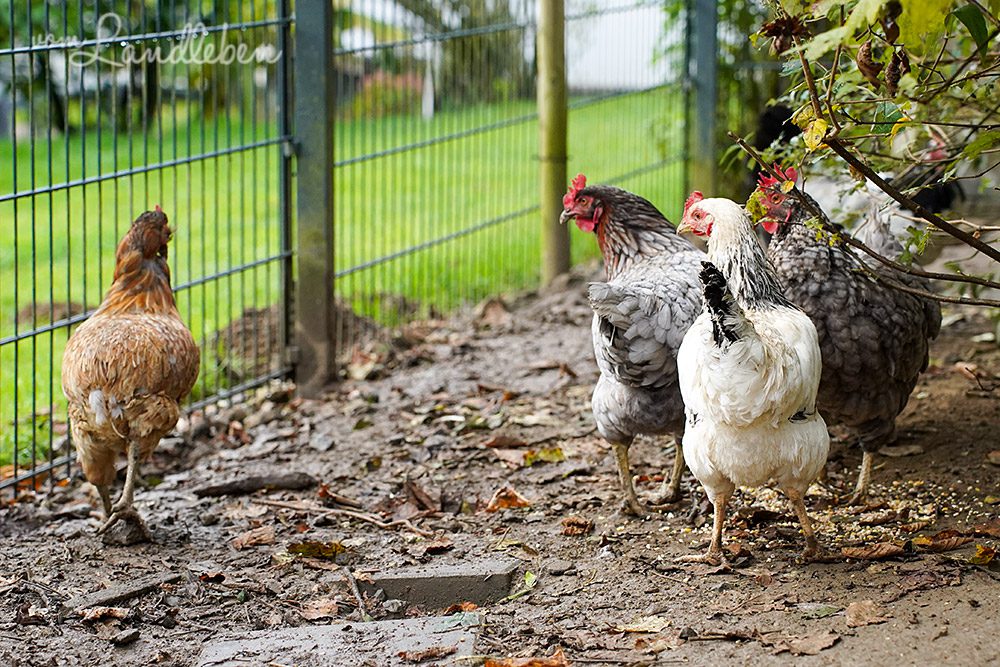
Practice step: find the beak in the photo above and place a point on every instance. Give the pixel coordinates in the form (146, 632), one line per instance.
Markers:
(566, 216)
(683, 227)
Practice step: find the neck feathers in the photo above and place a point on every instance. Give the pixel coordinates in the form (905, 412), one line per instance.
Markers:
(141, 285)
(622, 245)
(733, 247)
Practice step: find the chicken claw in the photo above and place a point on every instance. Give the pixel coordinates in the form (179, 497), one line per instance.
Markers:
(135, 532)
(711, 557)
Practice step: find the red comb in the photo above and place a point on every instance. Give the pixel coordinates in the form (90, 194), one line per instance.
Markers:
(158, 209)
(579, 183)
(765, 181)
(693, 199)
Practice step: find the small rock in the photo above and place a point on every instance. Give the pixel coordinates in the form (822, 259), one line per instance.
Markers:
(208, 518)
(394, 606)
(125, 637)
(558, 567)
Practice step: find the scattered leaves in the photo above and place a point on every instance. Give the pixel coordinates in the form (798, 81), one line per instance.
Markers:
(876, 551)
(557, 659)
(315, 549)
(255, 537)
(577, 525)
(865, 612)
(431, 653)
(507, 498)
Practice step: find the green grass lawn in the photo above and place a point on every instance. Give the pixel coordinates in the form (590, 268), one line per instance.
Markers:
(58, 248)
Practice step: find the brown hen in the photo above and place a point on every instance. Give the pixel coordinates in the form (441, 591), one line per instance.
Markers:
(127, 368)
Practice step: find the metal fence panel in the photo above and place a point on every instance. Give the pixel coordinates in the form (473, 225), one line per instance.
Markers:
(435, 171)
(96, 132)
(436, 202)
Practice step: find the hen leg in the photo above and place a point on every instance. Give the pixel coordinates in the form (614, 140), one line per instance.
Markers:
(714, 555)
(632, 505)
(864, 479)
(105, 491)
(670, 491)
(812, 551)
(123, 510)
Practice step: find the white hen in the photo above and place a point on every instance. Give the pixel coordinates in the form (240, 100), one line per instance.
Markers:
(749, 369)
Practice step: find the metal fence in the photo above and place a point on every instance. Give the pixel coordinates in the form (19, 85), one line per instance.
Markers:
(433, 202)
(90, 136)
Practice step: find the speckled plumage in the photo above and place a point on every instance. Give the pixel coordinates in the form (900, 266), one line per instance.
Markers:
(641, 313)
(874, 338)
(126, 369)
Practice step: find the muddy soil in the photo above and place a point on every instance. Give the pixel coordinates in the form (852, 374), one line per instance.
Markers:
(455, 412)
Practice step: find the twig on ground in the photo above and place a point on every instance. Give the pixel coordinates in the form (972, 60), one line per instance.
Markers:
(357, 593)
(360, 516)
(292, 481)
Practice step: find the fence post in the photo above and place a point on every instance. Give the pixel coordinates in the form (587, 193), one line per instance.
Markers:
(314, 115)
(703, 74)
(552, 136)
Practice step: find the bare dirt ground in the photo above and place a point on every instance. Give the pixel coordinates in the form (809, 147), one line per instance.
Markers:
(502, 399)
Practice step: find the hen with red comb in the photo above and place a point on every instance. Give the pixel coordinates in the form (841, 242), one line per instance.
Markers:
(641, 313)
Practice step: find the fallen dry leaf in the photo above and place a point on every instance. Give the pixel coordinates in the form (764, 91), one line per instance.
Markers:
(994, 457)
(543, 455)
(646, 624)
(104, 613)
(658, 644)
(461, 606)
(984, 555)
(876, 551)
(557, 659)
(320, 608)
(314, 549)
(810, 645)
(507, 498)
(898, 451)
(493, 313)
(577, 525)
(428, 653)
(865, 612)
(989, 529)
(437, 546)
(254, 537)
(914, 526)
(946, 540)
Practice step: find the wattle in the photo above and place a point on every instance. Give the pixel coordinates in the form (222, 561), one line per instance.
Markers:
(585, 225)
(770, 226)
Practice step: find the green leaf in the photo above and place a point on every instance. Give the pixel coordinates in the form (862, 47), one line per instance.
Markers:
(864, 14)
(972, 18)
(826, 41)
(984, 141)
(886, 115)
(919, 19)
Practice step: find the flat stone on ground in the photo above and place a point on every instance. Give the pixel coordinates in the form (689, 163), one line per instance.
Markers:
(346, 644)
(440, 586)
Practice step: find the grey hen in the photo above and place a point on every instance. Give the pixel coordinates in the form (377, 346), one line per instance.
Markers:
(651, 298)
(874, 339)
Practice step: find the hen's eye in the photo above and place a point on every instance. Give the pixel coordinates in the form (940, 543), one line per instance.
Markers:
(775, 198)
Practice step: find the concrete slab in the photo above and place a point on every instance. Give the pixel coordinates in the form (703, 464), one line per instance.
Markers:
(440, 586)
(377, 643)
